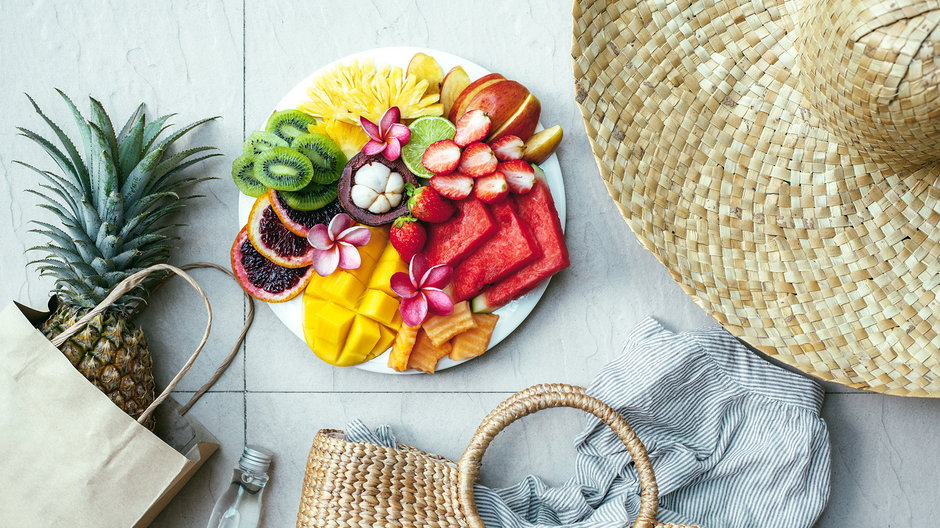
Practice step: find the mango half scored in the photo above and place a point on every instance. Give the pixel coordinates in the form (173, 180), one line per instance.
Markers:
(351, 316)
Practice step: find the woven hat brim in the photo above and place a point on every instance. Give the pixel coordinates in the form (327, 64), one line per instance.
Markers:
(789, 239)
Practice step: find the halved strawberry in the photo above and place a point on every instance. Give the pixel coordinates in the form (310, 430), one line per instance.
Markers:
(492, 188)
(508, 148)
(477, 160)
(472, 126)
(455, 186)
(441, 157)
(519, 175)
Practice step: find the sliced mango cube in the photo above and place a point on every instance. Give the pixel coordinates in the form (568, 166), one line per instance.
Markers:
(379, 306)
(364, 272)
(326, 351)
(386, 338)
(371, 251)
(363, 335)
(333, 323)
(390, 254)
(383, 274)
(343, 288)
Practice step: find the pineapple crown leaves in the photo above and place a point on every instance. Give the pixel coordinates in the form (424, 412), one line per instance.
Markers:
(112, 199)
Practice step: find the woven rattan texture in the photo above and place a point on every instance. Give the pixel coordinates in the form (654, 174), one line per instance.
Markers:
(780, 158)
(360, 484)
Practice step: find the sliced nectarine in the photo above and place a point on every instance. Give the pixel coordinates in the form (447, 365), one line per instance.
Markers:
(460, 105)
(454, 82)
(542, 144)
(424, 66)
(522, 123)
(499, 100)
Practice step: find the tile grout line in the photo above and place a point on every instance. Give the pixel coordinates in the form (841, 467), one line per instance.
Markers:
(246, 301)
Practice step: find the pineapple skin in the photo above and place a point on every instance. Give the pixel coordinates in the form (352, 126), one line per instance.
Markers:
(112, 353)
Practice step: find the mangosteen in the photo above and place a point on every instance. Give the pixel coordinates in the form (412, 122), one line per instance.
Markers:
(372, 189)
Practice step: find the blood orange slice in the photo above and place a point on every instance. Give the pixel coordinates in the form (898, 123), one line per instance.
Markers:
(263, 279)
(274, 241)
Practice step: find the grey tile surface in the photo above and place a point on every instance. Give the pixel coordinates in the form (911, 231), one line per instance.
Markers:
(236, 59)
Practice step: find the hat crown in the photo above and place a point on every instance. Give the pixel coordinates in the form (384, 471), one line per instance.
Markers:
(870, 70)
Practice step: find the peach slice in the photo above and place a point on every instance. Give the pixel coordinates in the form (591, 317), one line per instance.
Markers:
(542, 144)
(460, 104)
(453, 84)
(426, 67)
(522, 123)
(500, 101)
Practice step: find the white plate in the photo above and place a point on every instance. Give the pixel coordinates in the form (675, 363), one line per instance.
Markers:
(511, 315)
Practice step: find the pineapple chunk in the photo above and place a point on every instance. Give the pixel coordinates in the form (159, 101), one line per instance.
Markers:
(379, 306)
(440, 328)
(425, 355)
(383, 274)
(475, 341)
(404, 342)
(363, 335)
(386, 338)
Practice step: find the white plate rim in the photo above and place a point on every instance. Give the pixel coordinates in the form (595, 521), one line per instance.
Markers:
(512, 315)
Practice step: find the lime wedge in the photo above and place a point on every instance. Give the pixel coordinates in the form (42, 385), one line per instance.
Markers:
(424, 132)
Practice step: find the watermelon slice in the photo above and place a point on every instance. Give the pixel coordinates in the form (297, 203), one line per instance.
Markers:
(511, 248)
(537, 208)
(451, 241)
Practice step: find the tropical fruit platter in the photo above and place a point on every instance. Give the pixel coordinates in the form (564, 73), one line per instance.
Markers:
(401, 210)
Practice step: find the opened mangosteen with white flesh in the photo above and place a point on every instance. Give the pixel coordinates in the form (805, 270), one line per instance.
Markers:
(372, 189)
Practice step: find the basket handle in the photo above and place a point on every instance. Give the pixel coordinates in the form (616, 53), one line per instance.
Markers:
(134, 280)
(540, 397)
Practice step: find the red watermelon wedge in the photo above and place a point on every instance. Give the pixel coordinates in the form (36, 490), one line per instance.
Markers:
(511, 248)
(537, 209)
(451, 241)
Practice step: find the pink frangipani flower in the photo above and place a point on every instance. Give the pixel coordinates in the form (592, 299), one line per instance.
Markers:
(336, 245)
(388, 136)
(421, 291)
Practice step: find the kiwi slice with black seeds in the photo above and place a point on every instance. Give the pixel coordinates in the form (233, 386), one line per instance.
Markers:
(327, 158)
(288, 124)
(260, 141)
(283, 169)
(313, 196)
(243, 174)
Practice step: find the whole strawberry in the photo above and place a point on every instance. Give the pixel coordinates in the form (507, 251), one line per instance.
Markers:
(426, 204)
(407, 236)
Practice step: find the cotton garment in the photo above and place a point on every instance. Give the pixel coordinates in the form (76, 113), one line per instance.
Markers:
(735, 442)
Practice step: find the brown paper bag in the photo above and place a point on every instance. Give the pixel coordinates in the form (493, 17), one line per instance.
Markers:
(72, 457)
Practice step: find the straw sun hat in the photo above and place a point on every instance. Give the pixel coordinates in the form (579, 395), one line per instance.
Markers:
(781, 159)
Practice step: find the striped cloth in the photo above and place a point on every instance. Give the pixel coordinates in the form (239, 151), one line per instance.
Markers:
(735, 442)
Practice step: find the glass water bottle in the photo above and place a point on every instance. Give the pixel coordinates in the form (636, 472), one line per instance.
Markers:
(240, 505)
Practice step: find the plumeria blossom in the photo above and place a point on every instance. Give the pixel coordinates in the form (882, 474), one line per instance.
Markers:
(337, 245)
(388, 136)
(421, 290)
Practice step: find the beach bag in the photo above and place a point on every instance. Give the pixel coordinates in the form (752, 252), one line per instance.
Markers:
(354, 484)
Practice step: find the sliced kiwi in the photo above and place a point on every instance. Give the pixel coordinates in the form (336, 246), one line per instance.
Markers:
(283, 169)
(313, 196)
(327, 158)
(260, 141)
(288, 124)
(244, 176)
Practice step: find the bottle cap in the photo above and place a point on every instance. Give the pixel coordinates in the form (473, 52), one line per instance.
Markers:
(256, 458)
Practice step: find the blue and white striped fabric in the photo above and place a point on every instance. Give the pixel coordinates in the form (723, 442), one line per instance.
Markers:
(735, 442)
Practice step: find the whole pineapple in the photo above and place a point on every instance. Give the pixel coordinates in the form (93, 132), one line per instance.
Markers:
(113, 201)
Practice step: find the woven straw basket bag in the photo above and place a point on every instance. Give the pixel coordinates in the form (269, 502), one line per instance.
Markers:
(359, 484)
(781, 159)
